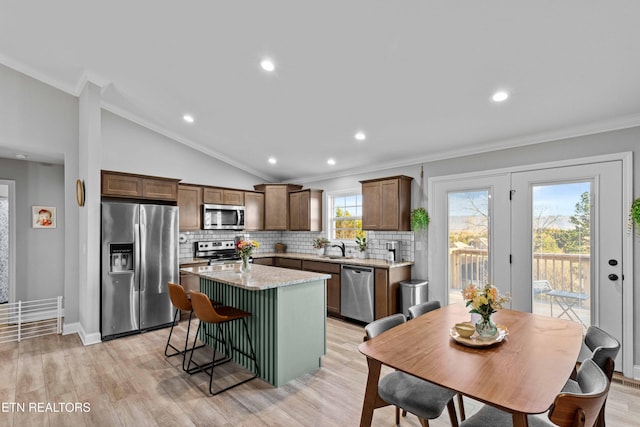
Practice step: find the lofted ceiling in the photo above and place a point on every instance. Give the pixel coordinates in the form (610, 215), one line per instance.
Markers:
(415, 76)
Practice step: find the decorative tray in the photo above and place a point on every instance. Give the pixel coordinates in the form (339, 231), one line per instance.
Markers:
(476, 341)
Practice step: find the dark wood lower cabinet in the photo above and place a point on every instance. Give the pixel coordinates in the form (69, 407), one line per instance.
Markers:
(387, 289)
(263, 261)
(333, 283)
(386, 283)
(190, 282)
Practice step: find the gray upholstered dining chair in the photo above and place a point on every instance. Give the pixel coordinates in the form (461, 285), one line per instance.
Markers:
(423, 308)
(604, 348)
(579, 409)
(421, 398)
(419, 310)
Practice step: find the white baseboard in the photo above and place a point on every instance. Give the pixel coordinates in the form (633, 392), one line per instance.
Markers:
(636, 372)
(76, 328)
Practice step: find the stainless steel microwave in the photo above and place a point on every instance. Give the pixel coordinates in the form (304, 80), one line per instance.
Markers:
(222, 217)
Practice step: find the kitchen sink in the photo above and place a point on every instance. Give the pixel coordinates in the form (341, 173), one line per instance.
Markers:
(336, 257)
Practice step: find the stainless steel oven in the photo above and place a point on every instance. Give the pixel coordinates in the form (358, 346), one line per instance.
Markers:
(217, 251)
(222, 217)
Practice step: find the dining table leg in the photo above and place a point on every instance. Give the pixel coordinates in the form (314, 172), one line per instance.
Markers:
(520, 420)
(371, 392)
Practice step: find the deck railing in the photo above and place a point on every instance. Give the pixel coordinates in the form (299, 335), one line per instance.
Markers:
(566, 272)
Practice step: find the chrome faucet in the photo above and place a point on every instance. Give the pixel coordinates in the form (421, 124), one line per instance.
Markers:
(342, 248)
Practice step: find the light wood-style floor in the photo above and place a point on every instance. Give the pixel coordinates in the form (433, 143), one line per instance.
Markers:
(129, 382)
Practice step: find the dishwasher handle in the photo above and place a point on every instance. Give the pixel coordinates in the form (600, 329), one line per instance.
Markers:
(357, 269)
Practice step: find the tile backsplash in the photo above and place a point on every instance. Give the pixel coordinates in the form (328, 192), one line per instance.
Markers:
(300, 242)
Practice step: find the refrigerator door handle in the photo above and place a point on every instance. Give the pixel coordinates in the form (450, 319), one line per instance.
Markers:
(139, 238)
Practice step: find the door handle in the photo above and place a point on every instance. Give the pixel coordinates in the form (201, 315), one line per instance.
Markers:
(613, 277)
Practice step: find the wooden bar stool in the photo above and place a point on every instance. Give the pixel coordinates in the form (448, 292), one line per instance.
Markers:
(219, 319)
(180, 301)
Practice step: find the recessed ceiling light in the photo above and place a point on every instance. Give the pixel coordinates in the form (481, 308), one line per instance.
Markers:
(188, 118)
(331, 162)
(20, 156)
(273, 160)
(500, 96)
(267, 65)
(360, 136)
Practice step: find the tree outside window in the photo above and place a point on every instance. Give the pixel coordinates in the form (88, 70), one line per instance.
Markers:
(346, 219)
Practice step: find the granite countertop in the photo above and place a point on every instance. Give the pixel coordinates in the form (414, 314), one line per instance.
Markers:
(367, 262)
(261, 276)
(187, 261)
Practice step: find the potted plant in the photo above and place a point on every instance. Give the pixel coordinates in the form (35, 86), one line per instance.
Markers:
(320, 243)
(634, 215)
(419, 219)
(361, 243)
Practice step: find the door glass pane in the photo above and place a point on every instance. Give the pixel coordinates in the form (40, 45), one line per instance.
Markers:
(468, 240)
(561, 241)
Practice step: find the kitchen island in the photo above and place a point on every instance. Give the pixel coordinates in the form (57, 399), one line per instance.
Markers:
(288, 315)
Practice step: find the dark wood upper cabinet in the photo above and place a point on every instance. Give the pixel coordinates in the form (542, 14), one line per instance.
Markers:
(276, 205)
(305, 210)
(254, 211)
(119, 184)
(223, 196)
(386, 204)
(190, 205)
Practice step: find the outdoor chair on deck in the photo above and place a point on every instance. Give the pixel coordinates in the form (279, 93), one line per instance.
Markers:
(421, 398)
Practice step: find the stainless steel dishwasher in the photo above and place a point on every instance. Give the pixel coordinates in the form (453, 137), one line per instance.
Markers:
(356, 293)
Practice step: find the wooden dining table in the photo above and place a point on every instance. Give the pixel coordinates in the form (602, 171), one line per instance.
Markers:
(522, 374)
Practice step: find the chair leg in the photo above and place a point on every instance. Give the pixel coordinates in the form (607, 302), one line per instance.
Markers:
(397, 416)
(404, 412)
(231, 349)
(423, 422)
(452, 413)
(186, 342)
(188, 368)
(600, 421)
(166, 348)
(461, 408)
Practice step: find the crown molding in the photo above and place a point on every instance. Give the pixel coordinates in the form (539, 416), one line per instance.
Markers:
(29, 71)
(618, 123)
(178, 138)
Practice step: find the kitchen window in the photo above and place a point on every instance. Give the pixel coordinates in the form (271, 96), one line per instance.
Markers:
(345, 216)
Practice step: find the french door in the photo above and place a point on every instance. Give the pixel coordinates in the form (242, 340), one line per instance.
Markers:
(467, 234)
(552, 236)
(567, 244)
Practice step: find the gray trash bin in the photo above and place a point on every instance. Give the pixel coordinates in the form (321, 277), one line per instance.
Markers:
(413, 292)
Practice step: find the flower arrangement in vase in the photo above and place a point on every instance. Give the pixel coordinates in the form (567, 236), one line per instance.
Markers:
(484, 301)
(244, 249)
(320, 243)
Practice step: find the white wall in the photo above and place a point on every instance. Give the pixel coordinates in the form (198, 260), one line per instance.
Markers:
(128, 147)
(35, 117)
(39, 252)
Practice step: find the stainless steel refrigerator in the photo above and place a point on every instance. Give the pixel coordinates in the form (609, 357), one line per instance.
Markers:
(139, 258)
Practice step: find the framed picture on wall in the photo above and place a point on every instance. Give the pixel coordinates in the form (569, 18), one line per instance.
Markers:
(43, 217)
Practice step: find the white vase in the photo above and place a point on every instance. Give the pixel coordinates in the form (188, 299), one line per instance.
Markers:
(320, 251)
